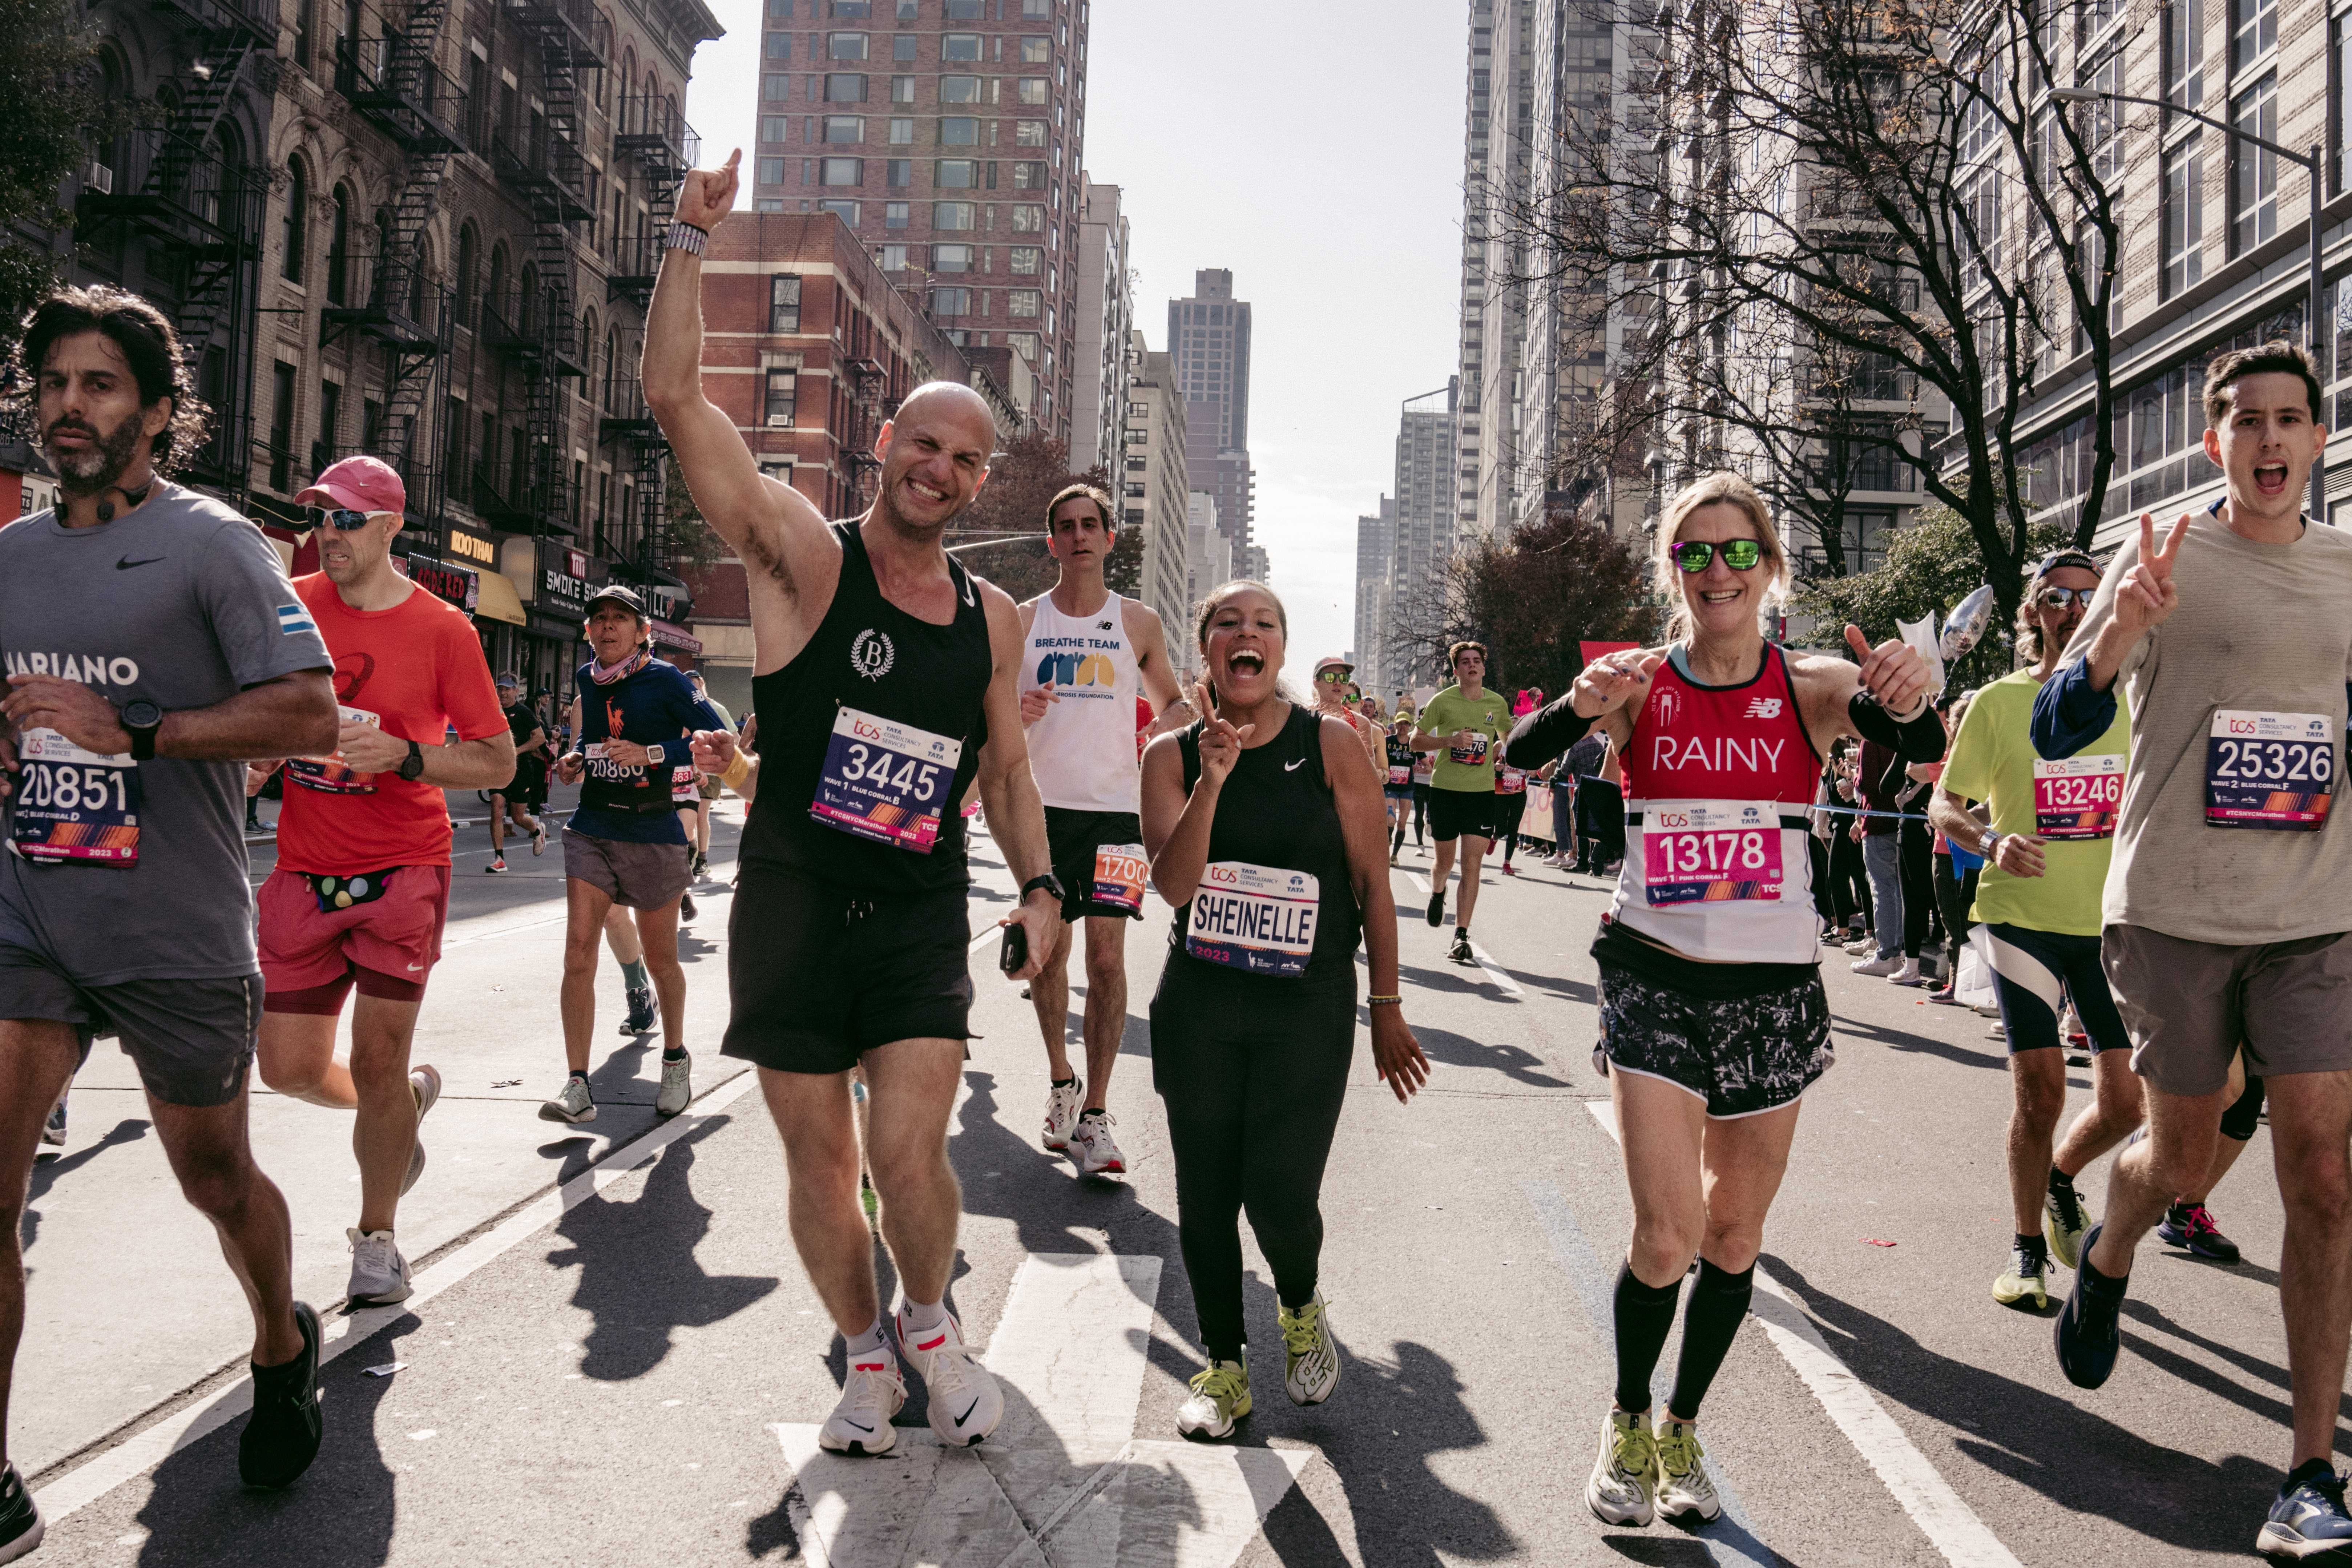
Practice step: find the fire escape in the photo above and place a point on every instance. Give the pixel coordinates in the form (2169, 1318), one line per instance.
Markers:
(664, 147)
(197, 203)
(866, 387)
(541, 160)
(393, 82)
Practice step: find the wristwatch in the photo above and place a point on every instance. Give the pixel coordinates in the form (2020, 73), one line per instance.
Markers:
(1991, 849)
(1049, 881)
(654, 755)
(411, 766)
(142, 718)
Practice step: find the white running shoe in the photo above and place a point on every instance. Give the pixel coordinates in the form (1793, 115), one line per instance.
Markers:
(379, 1273)
(875, 1392)
(573, 1105)
(1063, 1104)
(1684, 1485)
(1091, 1146)
(1310, 1358)
(966, 1405)
(424, 1082)
(1221, 1396)
(1861, 945)
(1907, 975)
(1877, 967)
(1626, 1473)
(676, 1085)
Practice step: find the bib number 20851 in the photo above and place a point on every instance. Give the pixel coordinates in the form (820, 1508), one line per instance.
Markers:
(2270, 771)
(885, 781)
(74, 808)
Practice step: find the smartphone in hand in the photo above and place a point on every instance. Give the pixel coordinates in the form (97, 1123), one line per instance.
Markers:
(1015, 951)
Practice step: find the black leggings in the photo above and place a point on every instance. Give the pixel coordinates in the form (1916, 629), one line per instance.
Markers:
(1508, 810)
(1849, 878)
(1254, 1079)
(1955, 896)
(1915, 859)
(1419, 812)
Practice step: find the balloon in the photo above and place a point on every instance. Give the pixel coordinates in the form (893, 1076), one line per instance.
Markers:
(1967, 622)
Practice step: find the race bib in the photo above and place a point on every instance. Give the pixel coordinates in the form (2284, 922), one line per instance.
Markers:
(1710, 850)
(2077, 797)
(1399, 774)
(1257, 919)
(1510, 781)
(2270, 771)
(682, 785)
(74, 808)
(1425, 767)
(1471, 753)
(1120, 871)
(885, 781)
(331, 775)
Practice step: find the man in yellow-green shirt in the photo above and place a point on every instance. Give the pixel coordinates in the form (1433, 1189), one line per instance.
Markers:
(1465, 725)
(2053, 824)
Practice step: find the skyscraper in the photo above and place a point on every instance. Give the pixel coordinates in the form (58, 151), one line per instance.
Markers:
(1209, 334)
(1106, 317)
(1375, 561)
(948, 135)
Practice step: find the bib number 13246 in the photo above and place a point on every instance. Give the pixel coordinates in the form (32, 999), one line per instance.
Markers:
(2270, 771)
(74, 808)
(885, 781)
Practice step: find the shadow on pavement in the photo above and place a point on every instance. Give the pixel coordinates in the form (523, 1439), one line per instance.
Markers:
(46, 1173)
(2044, 1441)
(639, 1275)
(1995, 1055)
(338, 1515)
(1518, 1064)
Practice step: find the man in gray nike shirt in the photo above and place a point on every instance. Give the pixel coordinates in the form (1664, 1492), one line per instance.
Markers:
(151, 643)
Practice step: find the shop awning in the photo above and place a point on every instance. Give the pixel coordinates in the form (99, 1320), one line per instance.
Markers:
(678, 638)
(499, 601)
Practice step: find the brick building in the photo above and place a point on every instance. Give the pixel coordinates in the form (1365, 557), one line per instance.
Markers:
(948, 135)
(1151, 478)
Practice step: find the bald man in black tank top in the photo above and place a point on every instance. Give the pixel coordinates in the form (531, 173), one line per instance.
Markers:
(885, 678)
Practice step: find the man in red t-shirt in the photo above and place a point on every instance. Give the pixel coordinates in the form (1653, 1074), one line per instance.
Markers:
(361, 886)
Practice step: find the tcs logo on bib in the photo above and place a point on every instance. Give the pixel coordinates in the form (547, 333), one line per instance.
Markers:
(1076, 670)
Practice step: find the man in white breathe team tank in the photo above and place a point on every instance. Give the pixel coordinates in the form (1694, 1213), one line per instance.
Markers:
(1086, 652)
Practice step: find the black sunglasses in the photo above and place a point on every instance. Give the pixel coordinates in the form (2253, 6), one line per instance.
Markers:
(1740, 554)
(341, 517)
(2058, 598)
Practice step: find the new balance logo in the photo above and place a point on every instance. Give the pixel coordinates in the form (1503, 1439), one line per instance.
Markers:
(1763, 708)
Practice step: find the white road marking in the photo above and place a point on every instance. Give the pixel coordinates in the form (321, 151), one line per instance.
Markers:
(1951, 1525)
(159, 1441)
(1070, 1353)
(1488, 964)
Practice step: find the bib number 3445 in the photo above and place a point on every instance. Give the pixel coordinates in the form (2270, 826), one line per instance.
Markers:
(885, 781)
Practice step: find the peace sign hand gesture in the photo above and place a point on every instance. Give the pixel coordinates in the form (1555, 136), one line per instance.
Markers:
(2145, 595)
(1221, 744)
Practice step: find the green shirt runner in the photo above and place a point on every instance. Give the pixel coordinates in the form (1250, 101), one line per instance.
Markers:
(1472, 766)
(1992, 760)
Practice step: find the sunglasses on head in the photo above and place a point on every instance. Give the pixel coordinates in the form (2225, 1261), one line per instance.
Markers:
(1694, 555)
(2058, 598)
(341, 517)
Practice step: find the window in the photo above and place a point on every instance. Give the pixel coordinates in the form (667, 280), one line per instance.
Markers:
(846, 211)
(959, 89)
(909, 10)
(951, 257)
(339, 247)
(453, 420)
(953, 173)
(2184, 215)
(295, 231)
(966, 10)
(950, 302)
(330, 424)
(891, 257)
(784, 302)
(1980, 206)
(1035, 89)
(1030, 176)
(2101, 123)
(1028, 219)
(852, 10)
(951, 215)
(772, 172)
(768, 204)
(843, 127)
(845, 46)
(902, 48)
(902, 90)
(776, 89)
(776, 127)
(1034, 10)
(960, 46)
(959, 130)
(1027, 258)
(894, 215)
(1023, 301)
(779, 10)
(1028, 133)
(902, 133)
(1025, 341)
(2254, 171)
(2254, 31)
(782, 383)
(281, 427)
(844, 171)
(780, 45)
(302, 11)
(467, 250)
(1037, 51)
(901, 173)
(845, 88)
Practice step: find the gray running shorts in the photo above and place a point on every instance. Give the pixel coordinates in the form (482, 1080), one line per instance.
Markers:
(190, 1040)
(2189, 1003)
(635, 875)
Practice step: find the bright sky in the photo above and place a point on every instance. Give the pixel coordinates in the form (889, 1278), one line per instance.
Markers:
(1315, 148)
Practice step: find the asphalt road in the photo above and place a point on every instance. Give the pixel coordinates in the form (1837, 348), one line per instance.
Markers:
(615, 1359)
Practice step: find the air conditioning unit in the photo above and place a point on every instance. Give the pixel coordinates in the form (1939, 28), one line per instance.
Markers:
(779, 422)
(99, 178)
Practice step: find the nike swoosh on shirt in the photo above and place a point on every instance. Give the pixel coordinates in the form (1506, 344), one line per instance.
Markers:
(1293, 767)
(413, 968)
(126, 564)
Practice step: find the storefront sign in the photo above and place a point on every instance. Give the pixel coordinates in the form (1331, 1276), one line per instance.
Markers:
(474, 548)
(445, 580)
(678, 638)
(559, 592)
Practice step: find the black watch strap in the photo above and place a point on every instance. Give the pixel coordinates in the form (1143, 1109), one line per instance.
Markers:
(1049, 881)
(412, 767)
(141, 719)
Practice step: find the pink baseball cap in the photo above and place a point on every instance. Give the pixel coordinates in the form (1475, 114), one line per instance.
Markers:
(361, 483)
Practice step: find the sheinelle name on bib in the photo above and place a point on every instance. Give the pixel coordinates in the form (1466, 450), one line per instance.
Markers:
(1083, 750)
(1717, 780)
(1257, 919)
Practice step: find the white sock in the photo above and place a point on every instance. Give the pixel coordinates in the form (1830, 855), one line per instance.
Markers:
(868, 1341)
(921, 1315)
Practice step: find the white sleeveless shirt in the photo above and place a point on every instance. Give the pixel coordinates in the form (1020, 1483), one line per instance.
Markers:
(1083, 752)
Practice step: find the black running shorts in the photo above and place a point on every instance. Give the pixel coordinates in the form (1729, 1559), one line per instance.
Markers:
(818, 977)
(1455, 812)
(1741, 1055)
(1072, 839)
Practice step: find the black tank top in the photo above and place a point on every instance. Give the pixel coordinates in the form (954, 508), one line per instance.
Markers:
(870, 660)
(1275, 814)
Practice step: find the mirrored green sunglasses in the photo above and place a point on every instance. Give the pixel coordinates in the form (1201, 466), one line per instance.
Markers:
(1740, 554)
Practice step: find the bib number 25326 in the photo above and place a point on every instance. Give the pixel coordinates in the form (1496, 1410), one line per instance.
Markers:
(885, 781)
(74, 808)
(2270, 771)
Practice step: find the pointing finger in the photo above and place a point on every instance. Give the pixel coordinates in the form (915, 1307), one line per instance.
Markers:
(734, 160)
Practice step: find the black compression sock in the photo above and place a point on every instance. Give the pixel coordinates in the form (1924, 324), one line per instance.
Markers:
(2059, 1181)
(1065, 1082)
(1644, 1314)
(580, 1073)
(673, 1053)
(2034, 1246)
(1091, 1111)
(1718, 1300)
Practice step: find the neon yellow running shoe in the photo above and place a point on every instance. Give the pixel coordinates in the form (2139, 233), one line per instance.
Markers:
(1684, 1485)
(1626, 1474)
(1311, 1366)
(2023, 1285)
(1221, 1396)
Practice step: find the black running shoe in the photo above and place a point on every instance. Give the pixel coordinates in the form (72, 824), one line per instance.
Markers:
(281, 1436)
(2308, 1520)
(1437, 907)
(2089, 1333)
(1460, 951)
(685, 911)
(20, 1521)
(2192, 1226)
(640, 1020)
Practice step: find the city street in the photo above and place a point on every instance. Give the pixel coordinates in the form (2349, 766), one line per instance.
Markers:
(613, 1356)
